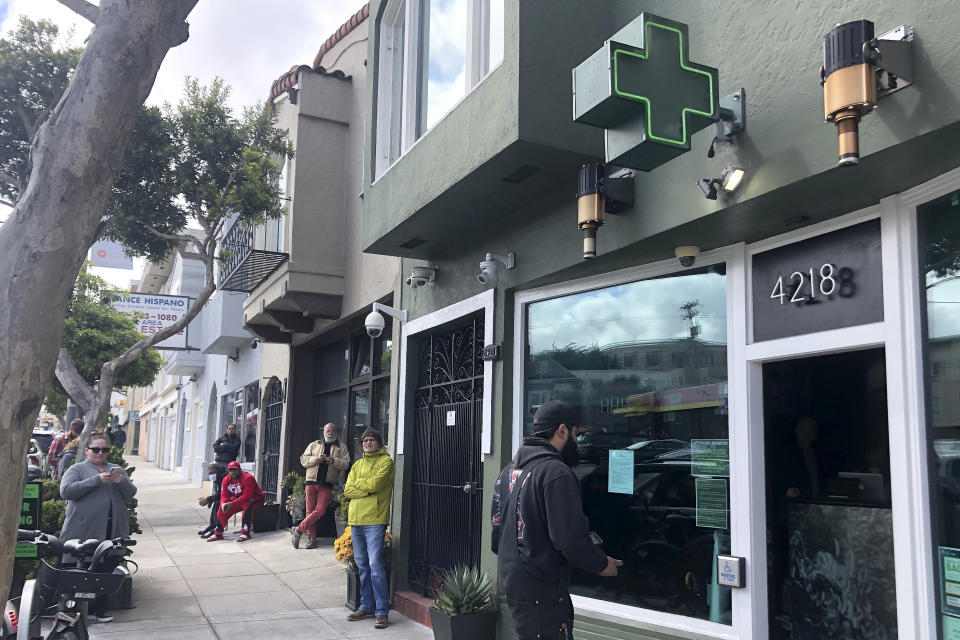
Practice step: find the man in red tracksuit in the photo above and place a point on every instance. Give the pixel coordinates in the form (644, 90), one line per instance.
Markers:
(240, 492)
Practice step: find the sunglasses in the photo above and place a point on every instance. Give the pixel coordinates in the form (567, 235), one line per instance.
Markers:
(99, 449)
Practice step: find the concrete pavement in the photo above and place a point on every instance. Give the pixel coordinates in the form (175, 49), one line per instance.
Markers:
(263, 588)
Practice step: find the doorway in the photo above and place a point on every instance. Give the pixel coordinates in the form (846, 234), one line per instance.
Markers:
(829, 517)
(447, 474)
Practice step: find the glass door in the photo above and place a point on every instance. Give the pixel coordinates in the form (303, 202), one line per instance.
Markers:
(829, 515)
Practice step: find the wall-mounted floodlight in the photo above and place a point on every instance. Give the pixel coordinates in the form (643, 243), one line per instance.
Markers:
(728, 181)
(374, 322)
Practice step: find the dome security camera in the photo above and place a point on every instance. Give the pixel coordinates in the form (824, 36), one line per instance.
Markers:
(687, 255)
(420, 276)
(488, 272)
(490, 267)
(374, 323)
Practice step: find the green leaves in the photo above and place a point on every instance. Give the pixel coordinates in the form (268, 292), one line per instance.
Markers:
(464, 590)
(94, 333)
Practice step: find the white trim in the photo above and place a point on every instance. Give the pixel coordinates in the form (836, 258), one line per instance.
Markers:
(912, 541)
(484, 301)
(658, 620)
(861, 336)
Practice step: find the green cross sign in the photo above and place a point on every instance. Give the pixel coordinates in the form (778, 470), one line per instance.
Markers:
(644, 91)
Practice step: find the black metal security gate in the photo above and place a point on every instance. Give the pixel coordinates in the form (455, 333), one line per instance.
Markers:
(271, 442)
(447, 471)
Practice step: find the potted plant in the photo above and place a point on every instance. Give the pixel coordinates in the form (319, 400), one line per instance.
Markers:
(296, 505)
(341, 510)
(463, 609)
(343, 551)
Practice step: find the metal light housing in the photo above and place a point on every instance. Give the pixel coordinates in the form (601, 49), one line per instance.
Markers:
(849, 79)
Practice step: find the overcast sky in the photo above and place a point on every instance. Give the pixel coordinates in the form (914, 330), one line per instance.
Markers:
(249, 43)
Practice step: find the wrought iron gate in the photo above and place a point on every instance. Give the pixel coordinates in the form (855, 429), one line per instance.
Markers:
(271, 442)
(447, 471)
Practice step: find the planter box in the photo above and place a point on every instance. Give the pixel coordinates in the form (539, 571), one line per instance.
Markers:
(353, 591)
(265, 518)
(468, 626)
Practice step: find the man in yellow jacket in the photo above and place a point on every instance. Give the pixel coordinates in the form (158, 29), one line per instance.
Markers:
(370, 487)
(324, 461)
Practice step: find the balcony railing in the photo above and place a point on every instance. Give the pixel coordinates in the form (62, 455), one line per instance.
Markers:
(245, 267)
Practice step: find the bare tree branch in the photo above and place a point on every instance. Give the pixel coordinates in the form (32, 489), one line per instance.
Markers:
(13, 181)
(73, 383)
(82, 8)
(104, 225)
(8, 203)
(27, 121)
(174, 236)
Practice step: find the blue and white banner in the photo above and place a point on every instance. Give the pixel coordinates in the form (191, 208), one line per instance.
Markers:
(154, 312)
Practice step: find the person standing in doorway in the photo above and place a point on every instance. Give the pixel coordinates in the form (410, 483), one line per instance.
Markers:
(226, 448)
(324, 461)
(540, 530)
(240, 493)
(369, 487)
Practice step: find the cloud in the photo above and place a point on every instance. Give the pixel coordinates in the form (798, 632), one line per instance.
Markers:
(634, 312)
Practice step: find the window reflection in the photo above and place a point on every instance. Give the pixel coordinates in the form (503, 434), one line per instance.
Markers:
(446, 57)
(939, 230)
(645, 363)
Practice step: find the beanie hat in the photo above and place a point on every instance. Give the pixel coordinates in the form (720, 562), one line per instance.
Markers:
(373, 433)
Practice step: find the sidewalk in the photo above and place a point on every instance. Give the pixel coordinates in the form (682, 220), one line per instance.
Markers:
(263, 588)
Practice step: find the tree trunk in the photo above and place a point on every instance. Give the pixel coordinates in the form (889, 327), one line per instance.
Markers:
(75, 157)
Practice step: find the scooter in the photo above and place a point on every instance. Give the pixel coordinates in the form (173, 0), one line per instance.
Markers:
(96, 570)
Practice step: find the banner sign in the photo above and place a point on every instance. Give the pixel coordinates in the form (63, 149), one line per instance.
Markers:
(29, 519)
(109, 254)
(153, 313)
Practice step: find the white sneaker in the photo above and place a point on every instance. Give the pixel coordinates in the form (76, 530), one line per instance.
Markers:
(101, 618)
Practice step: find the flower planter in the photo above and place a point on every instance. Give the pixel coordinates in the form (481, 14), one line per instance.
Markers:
(468, 626)
(353, 591)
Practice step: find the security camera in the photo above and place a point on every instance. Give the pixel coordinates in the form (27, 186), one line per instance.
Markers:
(420, 276)
(374, 323)
(488, 272)
(254, 343)
(687, 255)
(490, 267)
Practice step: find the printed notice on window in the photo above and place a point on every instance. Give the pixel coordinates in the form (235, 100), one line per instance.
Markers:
(620, 479)
(950, 580)
(713, 510)
(710, 458)
(951, 628)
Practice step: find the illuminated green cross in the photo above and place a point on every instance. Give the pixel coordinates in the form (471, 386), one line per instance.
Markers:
(642, 89)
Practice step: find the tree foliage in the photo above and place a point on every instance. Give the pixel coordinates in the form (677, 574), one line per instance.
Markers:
(34, 71)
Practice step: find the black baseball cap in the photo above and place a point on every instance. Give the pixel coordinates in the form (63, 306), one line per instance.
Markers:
(554, 413)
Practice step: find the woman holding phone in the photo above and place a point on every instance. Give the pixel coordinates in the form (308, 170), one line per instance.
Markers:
(96, 492)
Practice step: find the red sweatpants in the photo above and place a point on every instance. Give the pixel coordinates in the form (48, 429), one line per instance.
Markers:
(318, 499)
(246, 519)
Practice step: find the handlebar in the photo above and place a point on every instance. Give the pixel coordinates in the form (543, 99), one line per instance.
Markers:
(35, 537)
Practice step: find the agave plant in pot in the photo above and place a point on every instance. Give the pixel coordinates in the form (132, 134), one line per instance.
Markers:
(464, 609)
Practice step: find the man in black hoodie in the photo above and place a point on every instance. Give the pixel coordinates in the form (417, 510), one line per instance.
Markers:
(226, 448)
(540, 530)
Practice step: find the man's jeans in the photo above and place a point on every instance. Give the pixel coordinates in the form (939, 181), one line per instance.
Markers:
(368, 554)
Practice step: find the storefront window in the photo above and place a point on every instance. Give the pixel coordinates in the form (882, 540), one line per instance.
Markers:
(939, 231)
(645, 363)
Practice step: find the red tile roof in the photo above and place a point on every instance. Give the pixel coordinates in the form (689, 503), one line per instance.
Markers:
(289, 79)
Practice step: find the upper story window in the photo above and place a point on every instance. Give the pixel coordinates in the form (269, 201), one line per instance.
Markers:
(431, 54)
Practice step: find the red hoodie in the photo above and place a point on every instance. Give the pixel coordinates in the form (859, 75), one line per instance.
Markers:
(244, 490)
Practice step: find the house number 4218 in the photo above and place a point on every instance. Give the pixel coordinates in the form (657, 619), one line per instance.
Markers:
(806, 286)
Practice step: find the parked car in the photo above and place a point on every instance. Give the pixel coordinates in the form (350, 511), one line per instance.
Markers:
(647, 449)
(594, 445)
(44, 438)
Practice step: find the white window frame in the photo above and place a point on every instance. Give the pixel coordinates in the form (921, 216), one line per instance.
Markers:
(899, 333)
(402, 76)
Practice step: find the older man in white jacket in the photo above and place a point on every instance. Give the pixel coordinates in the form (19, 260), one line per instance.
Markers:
(324, 461)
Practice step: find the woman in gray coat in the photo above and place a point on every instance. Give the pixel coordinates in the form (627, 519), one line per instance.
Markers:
(96, 491)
